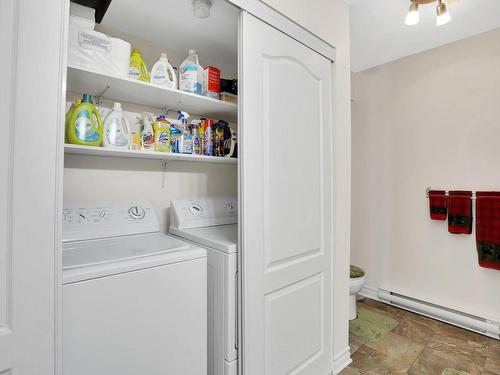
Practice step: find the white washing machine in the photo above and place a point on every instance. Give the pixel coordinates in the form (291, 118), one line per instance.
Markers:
(134, 300)
(212, 222)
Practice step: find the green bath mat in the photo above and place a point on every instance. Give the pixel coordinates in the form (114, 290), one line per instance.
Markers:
(371, 326)
(452, 371)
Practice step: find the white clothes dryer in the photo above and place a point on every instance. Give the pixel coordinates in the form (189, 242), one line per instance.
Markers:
(212, 222)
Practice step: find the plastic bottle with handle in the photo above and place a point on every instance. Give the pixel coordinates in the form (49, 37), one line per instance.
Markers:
(191, 74)
(163, 74)
(116, 129)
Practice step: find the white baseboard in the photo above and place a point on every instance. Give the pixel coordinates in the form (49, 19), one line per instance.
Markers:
(341, 361)
(369, 292)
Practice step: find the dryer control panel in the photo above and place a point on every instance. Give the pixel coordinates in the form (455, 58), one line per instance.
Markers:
(189, 213)
(84, 220)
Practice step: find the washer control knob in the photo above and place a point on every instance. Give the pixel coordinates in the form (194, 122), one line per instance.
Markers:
(136, 212)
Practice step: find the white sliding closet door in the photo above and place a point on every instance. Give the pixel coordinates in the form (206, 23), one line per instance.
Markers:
(31, 109)
(286, 192)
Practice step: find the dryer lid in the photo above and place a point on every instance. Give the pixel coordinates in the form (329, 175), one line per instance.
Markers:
(223, 237)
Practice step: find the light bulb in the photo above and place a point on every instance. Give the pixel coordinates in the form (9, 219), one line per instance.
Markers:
(412, 17)
(443, 17)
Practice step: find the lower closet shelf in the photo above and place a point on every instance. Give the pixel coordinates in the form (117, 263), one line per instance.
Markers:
(102, 151)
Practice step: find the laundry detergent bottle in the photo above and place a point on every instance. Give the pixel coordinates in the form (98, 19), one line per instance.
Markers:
(68, 118)
(191, 74)
(85, 125)
(116, 129)
(137, 68)
(163, 74)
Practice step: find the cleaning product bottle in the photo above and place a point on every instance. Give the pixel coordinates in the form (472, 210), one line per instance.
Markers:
(135, 141)
(68, 116)
(85, 125)
(147, 133)
(175, 135)
(186, 138)
(116, 129)
(138, 69)
(163, 74)
(162, 134)
(209, 138)
(195, 131)
(219, 135)
(191, 74)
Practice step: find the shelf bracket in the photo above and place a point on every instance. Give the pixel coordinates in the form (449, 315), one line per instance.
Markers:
(163, 172)
(100, 94)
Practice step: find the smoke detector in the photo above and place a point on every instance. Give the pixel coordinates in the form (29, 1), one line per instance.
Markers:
(201, 8)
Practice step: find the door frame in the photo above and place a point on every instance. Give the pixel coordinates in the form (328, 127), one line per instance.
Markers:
(284, 24)
(38, 68)
(257, 9)
(63, 58)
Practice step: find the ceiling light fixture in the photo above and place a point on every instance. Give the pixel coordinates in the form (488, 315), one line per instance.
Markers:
(413, 18)
(443, 17)
(201, 8)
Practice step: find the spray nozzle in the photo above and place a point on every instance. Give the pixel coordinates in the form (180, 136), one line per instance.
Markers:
(183, 116)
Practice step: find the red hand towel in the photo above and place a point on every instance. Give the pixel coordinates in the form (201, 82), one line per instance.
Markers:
(488, 229)
(460, 212)
(437, 204)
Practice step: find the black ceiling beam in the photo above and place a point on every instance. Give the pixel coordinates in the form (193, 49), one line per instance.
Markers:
(100, 6)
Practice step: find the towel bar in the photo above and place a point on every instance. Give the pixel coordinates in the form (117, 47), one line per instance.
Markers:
(429, 189)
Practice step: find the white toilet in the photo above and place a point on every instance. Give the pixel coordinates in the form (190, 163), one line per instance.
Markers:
(356, 282)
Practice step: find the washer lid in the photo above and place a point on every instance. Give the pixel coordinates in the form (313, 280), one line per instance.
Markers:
(91, 252)
(223, 237)
(90, 259)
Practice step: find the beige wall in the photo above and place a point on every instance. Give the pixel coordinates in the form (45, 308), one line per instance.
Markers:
(329, 19)
(432, 119)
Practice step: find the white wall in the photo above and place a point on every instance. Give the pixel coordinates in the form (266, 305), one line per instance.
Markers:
(329, 19)
(431, 119)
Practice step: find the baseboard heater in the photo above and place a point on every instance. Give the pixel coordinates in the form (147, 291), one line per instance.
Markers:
(471, 322)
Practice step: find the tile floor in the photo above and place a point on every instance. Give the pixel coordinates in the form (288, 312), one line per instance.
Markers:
(422, 346)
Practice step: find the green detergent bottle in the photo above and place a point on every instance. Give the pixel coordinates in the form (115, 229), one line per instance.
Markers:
(85, 125)
(68, 117)
(137, 68)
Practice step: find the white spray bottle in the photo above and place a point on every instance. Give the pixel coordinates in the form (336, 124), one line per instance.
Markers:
(186, 140)
(147, 132)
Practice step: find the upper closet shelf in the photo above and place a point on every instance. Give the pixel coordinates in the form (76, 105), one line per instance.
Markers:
(142, 93)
